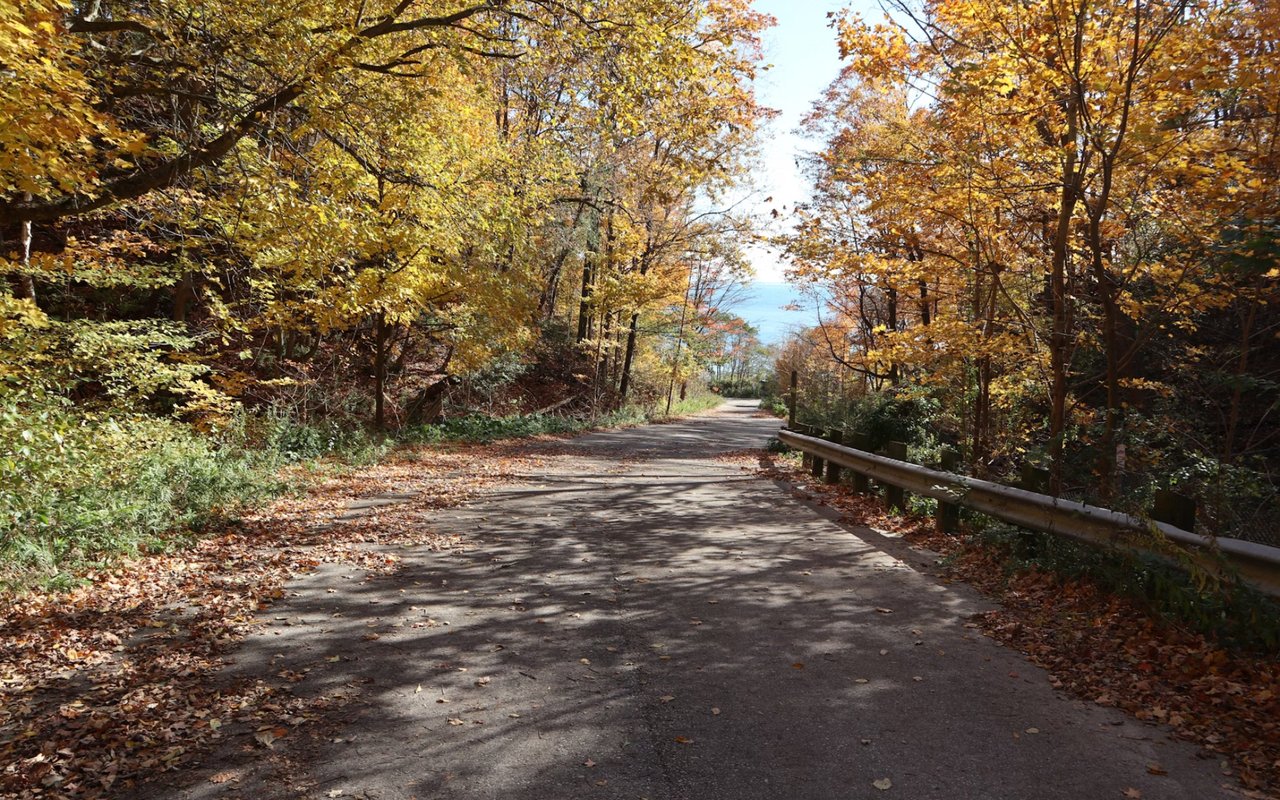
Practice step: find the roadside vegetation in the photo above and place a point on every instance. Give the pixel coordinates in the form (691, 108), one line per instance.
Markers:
(93, 492)
(1046, 239)
(233, 241)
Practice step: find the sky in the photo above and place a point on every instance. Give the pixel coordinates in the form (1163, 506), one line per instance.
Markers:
(804, 57)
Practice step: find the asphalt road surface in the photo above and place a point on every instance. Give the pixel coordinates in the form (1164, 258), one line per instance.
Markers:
(648, 620)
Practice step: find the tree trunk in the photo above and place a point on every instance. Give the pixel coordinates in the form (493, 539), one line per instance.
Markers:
(602, 362)
(551, 285)
(25, 283)
(675, 361)
(1237, 392)
(183, 293)
(894, 376)
(1060, 335)
(380, 372)
(584, 302)
(629, 357)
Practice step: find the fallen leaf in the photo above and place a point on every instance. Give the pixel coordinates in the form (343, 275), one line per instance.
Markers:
(1033, 731)
(1156, 769)
(715, 712)
(588, 763)
(882, 784)
(1132, 793)
(884, 611)
(667, 698)
(683, 740)
(798, 665)
(456, 721)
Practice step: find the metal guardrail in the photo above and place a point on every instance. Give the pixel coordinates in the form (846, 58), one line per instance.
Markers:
(1257, 564)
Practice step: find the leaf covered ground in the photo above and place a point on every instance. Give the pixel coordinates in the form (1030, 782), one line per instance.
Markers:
(1100, 647)
(119, 680)
(115, 681)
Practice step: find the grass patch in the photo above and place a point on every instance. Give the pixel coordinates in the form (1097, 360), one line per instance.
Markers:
(76, 492)
(693, 404)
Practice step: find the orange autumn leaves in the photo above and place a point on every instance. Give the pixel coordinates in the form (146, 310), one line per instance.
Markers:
(1015, 200)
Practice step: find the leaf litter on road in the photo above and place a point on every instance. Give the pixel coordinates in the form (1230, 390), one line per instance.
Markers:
(113, 681)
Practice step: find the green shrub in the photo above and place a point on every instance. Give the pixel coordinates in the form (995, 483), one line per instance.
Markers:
(749, 388)
(293, 441)
(75, 490)
(776, 445)
(905, 415)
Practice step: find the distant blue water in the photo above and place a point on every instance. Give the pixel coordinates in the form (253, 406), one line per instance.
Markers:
(764, 307)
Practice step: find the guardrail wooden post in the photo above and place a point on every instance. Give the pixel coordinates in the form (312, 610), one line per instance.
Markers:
(1035, 479)
(806, 458)
(861, 483)
(818, 464)
(1176, 509)
(833, 469)
(895, 495)
(791, 402)
(948, 519)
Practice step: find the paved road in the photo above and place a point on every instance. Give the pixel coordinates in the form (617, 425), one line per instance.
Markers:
(647, 621)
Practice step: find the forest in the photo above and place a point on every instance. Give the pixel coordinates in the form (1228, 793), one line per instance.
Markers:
(239, 234)
(236, 237)
(1045, 235)
(303, 305)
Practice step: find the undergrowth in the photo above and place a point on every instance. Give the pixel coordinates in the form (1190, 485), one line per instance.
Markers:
(1229, 612)
(78, 491)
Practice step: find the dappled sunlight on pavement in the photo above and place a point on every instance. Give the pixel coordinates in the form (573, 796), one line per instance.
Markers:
(678, 629)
